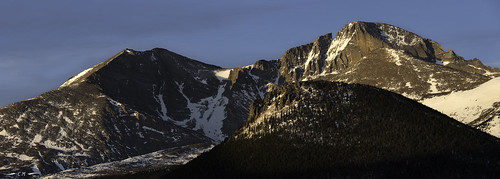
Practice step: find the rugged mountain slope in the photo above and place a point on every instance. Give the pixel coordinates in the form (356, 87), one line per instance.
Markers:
(88, 121)
(384, 56)
(479, 107)
(394, 59)
(326, 129)
(247, 84)
(134, 103)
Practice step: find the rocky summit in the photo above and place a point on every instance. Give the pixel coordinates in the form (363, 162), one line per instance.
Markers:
(386, 57)
(138, 102)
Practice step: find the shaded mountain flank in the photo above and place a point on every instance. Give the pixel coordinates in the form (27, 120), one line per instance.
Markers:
(331, 129)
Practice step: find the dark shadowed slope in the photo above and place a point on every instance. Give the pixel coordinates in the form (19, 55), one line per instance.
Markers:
(326, 129)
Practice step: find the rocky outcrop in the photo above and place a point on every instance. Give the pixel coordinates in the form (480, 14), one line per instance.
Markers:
(384, 56)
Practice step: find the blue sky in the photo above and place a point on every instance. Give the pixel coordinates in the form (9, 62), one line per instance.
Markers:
(43, 43)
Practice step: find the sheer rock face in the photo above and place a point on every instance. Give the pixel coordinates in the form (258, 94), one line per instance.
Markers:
(390, 58)
(384, 56)
(249, 83)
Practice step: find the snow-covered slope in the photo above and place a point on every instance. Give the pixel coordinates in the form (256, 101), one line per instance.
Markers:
(471, 105)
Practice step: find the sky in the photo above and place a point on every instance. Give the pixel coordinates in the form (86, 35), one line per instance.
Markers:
(43, 43)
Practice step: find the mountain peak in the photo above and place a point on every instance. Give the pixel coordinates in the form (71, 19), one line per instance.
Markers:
(129, 59)
(80, 77)
(360, 47)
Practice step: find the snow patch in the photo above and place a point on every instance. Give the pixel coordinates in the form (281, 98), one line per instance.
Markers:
(222, 74)
(439, 62)
(277, 77)
(4, 133)
(154, 130)
(433, 84)
(159, 100)
(396, 35)
(395, 56)
(36, 139)
(486, 72)
(35, 171)
(55, 145)
(208, 114)
(408, 84)
(153, 58)
(58, 165)
(338, 44)
(466, 106)
(311, 58)
(77, 77)
(25, 157)
(254, 77)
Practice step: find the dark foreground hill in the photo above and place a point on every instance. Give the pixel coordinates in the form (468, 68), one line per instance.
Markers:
(324, 129)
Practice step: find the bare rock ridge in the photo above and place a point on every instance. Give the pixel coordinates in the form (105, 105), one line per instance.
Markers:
(138, 102)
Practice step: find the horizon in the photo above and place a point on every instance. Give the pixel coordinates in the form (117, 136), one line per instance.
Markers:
(46, 43)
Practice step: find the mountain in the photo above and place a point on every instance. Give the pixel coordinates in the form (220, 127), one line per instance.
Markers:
(96, 116)
(330, 129)
(139, 102)
(131, 104)
(394, 59)
(386, 57)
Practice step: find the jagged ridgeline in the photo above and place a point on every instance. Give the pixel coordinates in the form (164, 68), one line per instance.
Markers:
(141, 101)
(387, 57)
(330, 129)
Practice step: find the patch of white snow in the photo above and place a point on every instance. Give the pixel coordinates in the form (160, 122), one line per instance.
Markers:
(154, 130)
(439, 62)
(466, 106)
(433, 84)
(77, 77)
(222, 74)
(395, 56)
